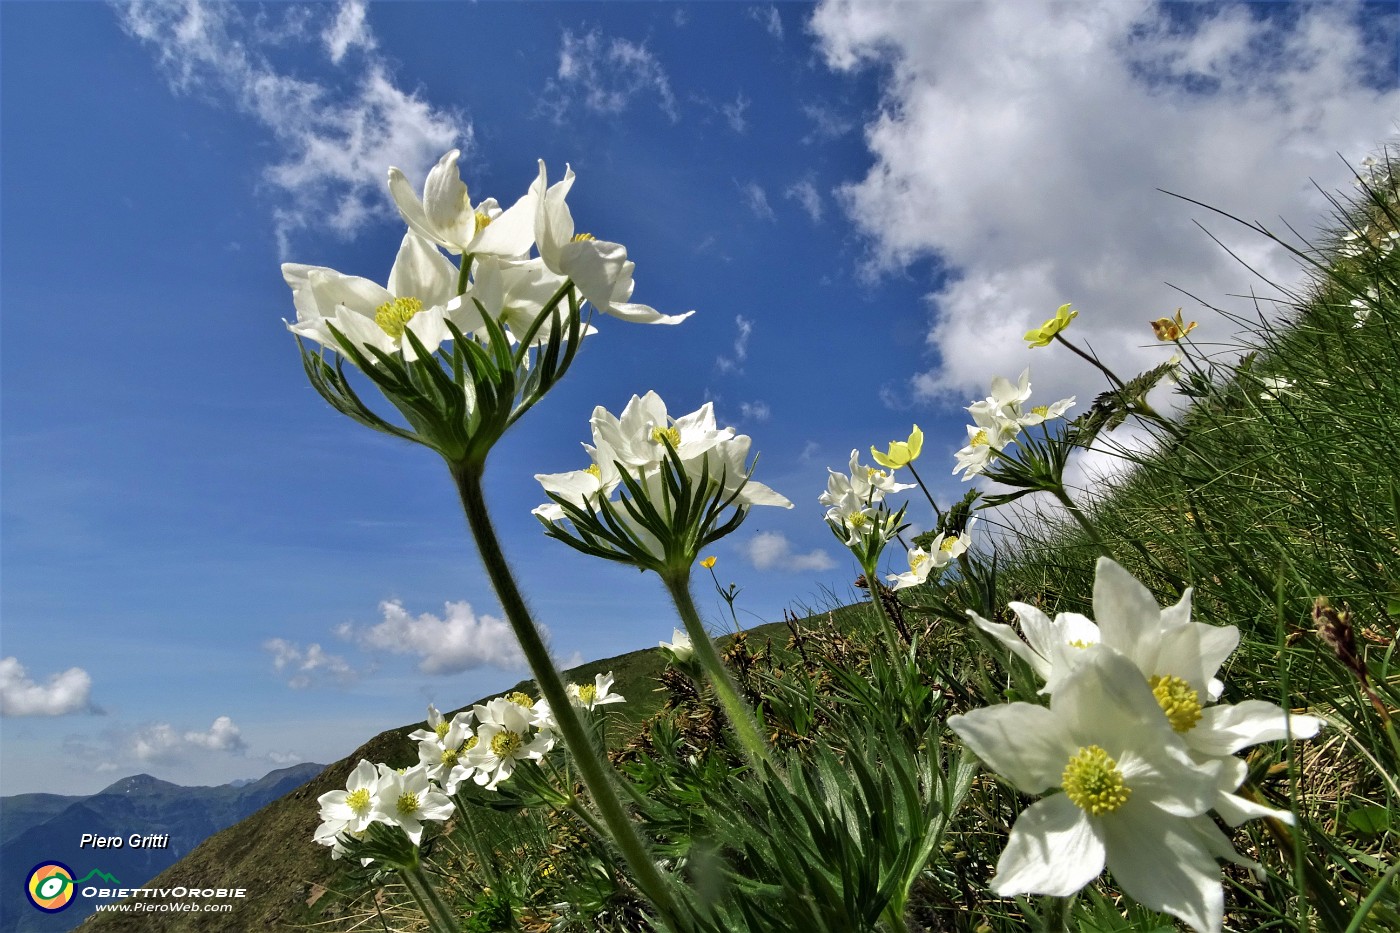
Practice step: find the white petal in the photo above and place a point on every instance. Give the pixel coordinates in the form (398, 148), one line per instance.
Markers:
(1008, 638)
(1227, 728)
(1054, 849)
(1124, 609)
(1025, 743)
(1163, 862)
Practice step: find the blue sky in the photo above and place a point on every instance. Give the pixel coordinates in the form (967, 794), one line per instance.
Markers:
(205, 572)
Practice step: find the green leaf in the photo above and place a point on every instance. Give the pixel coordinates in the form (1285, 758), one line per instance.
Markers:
(1369, 820)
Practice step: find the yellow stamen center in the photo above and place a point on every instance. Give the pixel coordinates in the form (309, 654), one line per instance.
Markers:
(1181, 704)
(1042, 410)
(582, 237)
(1080, 643)
(948, 543)
(469, 744)
(449, 756)
(505, 743)
(916, 560)
(482, 221)
(441, 729)
(408, 803)
(359, 801)
(1093, 782)
(522, 699)
(979, 439)
(593, 470)
(587, 694)
(392, 316)
(857, 519)
(672, 434)
(874, 475)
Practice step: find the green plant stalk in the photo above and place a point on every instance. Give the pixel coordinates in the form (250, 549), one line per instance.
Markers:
(1078, 515)
(439, 915)
(927, 495)
(892, 639)
(596, 774)
(741, 716)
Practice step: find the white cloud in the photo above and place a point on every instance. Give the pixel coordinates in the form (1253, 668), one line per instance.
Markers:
(757, 200)
(349, 31)
(459, 641)
(770, 550)
(755, 411)
(307, 665)
(334, 142)
(827, 123)
(734, 113)
(1021, 145)
(68, 692)
(768, 17)
(162, 742)
(744, 328)
(608, 74)
(805, 194)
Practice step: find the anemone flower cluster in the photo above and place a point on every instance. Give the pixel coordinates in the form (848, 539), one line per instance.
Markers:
(997, 420)
(678, 475)
(855, 504)
(496, 274)
(941, 552)
(1136, 742)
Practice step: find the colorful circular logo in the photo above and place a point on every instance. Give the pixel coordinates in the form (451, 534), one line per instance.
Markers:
(50, 886)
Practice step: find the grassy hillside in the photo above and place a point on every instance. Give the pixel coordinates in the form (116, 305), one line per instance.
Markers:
(292, 881)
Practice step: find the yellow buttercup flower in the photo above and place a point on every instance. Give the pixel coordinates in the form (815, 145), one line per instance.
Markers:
(708, 562)
(1173, 329)
(901, 453)
(1043, 334)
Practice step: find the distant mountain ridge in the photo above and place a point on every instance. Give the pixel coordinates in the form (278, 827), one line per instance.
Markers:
(41, 827)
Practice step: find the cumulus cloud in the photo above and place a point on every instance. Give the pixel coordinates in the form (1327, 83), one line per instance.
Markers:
(771, 550)
(1020, 146)
(305, 666)
(160, 741)
(334, 141)
(607, 74)
(68, 692)
(457, 641)
(806, 196)
(743, 327)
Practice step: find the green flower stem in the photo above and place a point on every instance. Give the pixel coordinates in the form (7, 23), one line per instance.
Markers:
(439, 915)
(741, 717)
(596, 774)
(463, 272)
(928, 495)
(1078, 515)
(892, 635)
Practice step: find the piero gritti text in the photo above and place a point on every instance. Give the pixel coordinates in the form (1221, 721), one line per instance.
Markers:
(134, 841)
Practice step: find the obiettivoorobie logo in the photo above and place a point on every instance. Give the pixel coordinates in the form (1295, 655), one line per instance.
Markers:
(50, 886)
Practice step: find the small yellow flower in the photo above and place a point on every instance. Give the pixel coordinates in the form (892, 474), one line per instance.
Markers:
(708, 562)
(1172, 328)
(901, 453)
(1042, 335)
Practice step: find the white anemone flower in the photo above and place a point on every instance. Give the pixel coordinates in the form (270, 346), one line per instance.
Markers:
(441, 754)
(350, 810)
(943, 550)
(680, 645)
(637, 439)
(599, 693)
(514, 294)
(503, 739)
(600, 269)
(1133, 797)
(1179, 660)
(421, 283)
(445, 214)
(982, 444)
(406, 799)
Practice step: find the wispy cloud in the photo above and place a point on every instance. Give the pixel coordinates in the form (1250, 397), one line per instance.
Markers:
(734, 113)
(1229, 104)
(457, 641)
(309, 665)
(805, 194)
(771, 550)
(67, 692)
(333, 141)
(755, 411)
(743, 328)
(757, 200)
(828, 123)
(768, 18)
(607, 74)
